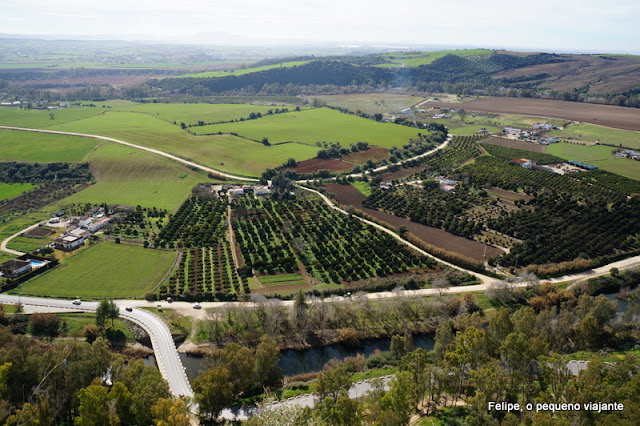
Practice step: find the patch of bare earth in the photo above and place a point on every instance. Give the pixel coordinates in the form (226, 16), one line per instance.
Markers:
(604, 115)
(315, 164)
(375, 153)
(349, 195)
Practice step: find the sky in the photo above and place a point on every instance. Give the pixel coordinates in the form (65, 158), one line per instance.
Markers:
(548, 25)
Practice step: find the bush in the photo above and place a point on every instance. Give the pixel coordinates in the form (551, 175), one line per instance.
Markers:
(379, 360)
(348, 336)
(44, 324)
(91, 332)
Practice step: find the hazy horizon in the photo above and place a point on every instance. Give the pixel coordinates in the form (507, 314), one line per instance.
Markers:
(572, 26)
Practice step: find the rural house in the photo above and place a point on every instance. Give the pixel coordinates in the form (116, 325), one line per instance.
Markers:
(15, 268)
(68, 242)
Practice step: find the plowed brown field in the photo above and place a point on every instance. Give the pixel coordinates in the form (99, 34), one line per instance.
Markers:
(604, 115)
(315, 164)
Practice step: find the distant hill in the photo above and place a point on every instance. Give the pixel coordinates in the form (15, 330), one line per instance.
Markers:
(612, 79)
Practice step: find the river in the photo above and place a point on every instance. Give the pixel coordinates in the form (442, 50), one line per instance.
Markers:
(295, 362)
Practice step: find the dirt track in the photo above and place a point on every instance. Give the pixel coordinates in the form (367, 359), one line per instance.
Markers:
(604, 115)
(347, 194)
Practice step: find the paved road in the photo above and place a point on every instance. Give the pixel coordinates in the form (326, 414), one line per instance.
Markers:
(164, 349)
(3, 245)
(144, 148)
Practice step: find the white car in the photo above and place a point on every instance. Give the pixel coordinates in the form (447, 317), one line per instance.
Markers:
(77, 302)
(196, 306)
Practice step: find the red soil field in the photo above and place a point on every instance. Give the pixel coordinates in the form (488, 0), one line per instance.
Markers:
(349, 195)
(315, 164)
(375, 153)
(604, 115)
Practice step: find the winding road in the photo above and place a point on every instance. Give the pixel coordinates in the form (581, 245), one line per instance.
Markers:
(166, 355)
(144, 148)
(164, 349)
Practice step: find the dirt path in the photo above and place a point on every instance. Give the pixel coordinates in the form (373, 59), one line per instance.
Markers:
(232, 240)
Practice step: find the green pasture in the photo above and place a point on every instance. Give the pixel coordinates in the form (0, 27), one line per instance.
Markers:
(622, 166)
(374, 103)
(314, 125)
(106, 270)
(581, 152)
(35, 147)
(27, 244)
(40, 119)
(10, 190)
(240, 156)
(192, 113)
(131, 176)
(424, 58)
(244, 70)
(598, 155)
(281, 280)
(363, 187)
(472, 129)
(5, 257)
(592, 133)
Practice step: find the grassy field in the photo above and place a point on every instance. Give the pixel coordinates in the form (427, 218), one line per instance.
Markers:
(130, 176)
(239, 155)
(40, 119)
(375, 103)
(598, 155)
(622, 166)
(106, 270)
(314, 125)
(10, 190)
(592, 133)
(472, 129)
(363, 187)
(281, 280)
(42, 147)
(192, 113)
(245, 70)
(581, 152)
(26, 244)
(5, 257)
(424, 58)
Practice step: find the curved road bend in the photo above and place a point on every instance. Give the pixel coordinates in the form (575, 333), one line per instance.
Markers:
(144, 148)
(164, 349)
(3, 245)
(383, 168)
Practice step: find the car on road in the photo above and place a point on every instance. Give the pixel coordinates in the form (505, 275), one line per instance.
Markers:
(128, 309)
(196, 306)
(77, 302)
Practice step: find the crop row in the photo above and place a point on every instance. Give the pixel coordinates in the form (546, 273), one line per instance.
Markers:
(206, 273)
(430, 206)
(200, 222)
(333, 248)
(459, 150)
